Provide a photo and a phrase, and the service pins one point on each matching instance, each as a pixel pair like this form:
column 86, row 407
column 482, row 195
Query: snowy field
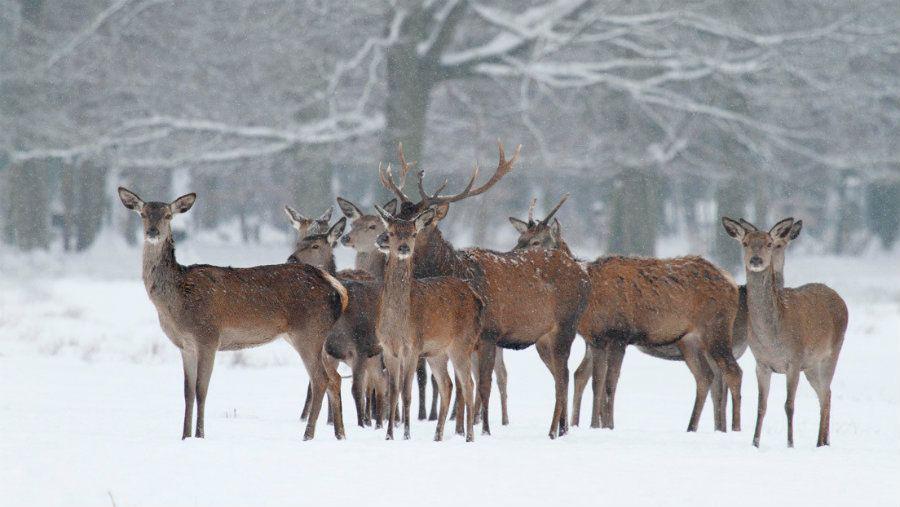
column 92, row 404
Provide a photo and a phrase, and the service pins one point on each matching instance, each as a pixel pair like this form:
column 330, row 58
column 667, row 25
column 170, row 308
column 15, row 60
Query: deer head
column 318, row 249
column 763, row 249
column 399, row 238
column 410, row 208
column 156, row 217
column 308, row 226
column 364, row 228
column 545, row 234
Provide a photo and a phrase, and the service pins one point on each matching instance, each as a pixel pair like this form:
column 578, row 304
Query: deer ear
column 782, row 228
column 130, row 199
column 440, row 211
column 384, row 216
column 521, row 226
column 336, row 230
column 391, row 206
column 183, row 203
column 733, row 228
column 325, row 217
column 349, row 209
column 795, row 230
column 425, row 219
column 747, row 225
column 298, row 221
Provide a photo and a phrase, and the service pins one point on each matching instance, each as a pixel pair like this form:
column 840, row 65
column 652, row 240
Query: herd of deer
column 414, row 299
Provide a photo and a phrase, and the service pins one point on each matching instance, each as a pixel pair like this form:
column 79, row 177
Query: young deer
column 437, row 317
column 364, row 230
column 203, row 309
column 352, row 339
column 682, row 304
column 555, row 285
column 791, row 330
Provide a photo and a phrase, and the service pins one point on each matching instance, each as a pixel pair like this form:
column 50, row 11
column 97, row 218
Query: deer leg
column 319, row 383
column 440, row 375
column 189, row 362
column 432, row 415
column 614, row 368
column 486, row 353
column 763, row 379
column 582, row 374
column 408, row 374
column 693, row 358
column 793, row 378
column 502, row 377
column 359, row 391
column 205, row 360
column 721, row 354
column 305, row 412
column 422, row 377
column 462, row 365
column 476, row 369
column 599, row 367
column 823, row 392
column 336, row 407
column 393, row 369
column 718, row 395
column 545, row 348
column 459, row 407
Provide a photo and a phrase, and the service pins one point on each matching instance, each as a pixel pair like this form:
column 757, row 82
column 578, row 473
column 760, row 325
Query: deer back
column 528, row 293
column 656, row 301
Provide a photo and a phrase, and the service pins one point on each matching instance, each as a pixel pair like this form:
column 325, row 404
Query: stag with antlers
column 530, row 297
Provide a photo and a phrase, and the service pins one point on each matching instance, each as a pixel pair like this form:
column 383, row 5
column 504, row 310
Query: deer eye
column 372, row 227
column 745, row 243
column 315, row 247
column 768, row 245
column 169, row 217
column 535, row 243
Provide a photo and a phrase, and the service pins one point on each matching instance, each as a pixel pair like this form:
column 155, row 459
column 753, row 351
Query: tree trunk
column 28, row 193
column 90, row 203
column 731, row 201
column 635, row 215
column 409, row 85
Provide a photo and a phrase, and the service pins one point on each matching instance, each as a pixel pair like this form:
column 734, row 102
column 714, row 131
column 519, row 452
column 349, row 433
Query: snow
column 92, row 405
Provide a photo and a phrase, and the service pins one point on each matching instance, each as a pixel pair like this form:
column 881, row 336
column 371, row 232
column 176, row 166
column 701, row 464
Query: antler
column 531, row 210
column 503, row 167
column 546, row 220
column 387, row 177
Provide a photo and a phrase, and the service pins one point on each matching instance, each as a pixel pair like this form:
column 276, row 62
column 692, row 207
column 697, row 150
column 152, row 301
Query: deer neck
column 160, row 269
column 371, row 262
column 437, row 257
column 763, row 309
column 394, row 315
column 330, row 266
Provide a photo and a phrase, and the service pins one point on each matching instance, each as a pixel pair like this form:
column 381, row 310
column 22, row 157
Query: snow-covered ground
column 92, row 403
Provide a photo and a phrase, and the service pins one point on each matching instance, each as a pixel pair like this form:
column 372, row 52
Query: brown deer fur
column 203, row 309
column 364, row 230
column 791, row 330
column 438, row 318
column 530, row 298
column 352, row 339
column 671, row 308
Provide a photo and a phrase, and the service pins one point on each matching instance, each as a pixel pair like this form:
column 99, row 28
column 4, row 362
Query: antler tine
column 404, row 166
column 503, row 167
column 546, row 220
column 387, row 180
column 531, row 210
column 441, row 187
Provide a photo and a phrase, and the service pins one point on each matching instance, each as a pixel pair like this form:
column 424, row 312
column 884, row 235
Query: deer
column 670, row 308
column 352, row 339
column 436, row 317
column 791, row 330
column 364, row 230
column 556, row 287
column 203, row 309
